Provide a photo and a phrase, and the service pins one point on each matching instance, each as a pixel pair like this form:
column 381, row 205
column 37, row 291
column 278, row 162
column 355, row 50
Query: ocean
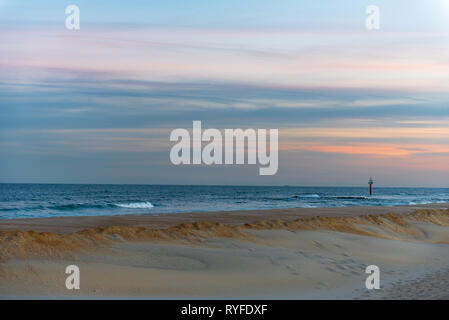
column 53, row 200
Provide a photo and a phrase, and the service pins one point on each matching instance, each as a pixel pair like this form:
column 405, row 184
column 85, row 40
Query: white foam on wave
column 135, row 205
column 412, row 203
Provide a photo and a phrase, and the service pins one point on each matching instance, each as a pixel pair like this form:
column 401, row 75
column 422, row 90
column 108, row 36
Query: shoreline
column 71, row 224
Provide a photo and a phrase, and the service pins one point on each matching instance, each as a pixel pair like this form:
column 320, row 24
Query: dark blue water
column 49, row 200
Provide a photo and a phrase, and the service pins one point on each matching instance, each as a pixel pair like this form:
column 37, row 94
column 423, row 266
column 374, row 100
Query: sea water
column 51, row 200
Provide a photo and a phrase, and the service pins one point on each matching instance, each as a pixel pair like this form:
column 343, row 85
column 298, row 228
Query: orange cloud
column 375, row 149
column 372, row 132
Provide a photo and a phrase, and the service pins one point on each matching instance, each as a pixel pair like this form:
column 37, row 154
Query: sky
column 97, row 105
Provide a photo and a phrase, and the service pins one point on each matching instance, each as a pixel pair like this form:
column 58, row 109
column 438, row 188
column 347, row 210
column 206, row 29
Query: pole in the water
column 370, row 182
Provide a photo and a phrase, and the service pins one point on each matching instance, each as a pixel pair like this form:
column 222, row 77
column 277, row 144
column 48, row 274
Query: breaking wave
column 135, row 205
column 314, row 195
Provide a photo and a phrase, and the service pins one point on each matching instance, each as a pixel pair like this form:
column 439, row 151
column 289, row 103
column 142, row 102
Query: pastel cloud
column 286, row 59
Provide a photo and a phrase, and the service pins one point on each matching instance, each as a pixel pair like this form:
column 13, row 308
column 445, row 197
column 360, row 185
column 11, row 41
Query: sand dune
column 305, row 257
column 24, row 244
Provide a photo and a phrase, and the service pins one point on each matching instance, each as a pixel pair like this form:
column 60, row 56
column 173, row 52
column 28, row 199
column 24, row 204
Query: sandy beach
column 273, row 254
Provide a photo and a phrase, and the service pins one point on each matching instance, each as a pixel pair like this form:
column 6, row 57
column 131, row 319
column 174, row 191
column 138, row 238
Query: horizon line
column 226, row 185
